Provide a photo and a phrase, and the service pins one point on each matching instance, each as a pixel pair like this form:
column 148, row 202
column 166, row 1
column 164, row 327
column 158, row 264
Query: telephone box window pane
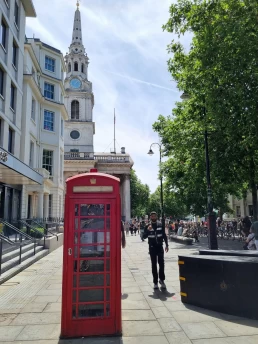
column 92, row 223
column 108, row 279
column 74, row 296
column 91, row 281
column 92, row 265
column 92, row 210
column 108, row 224
column 107, row 251
column 91, row 238
column 108, row 265
column 75, row 252
column 92, row 295
column 74, row 311
column 108, row 209
column 76, row 212
column 108, row 238
column 108, row 295
column 92, row 251
column 75, row 281
column 91, row 311
column 76, row 223
column 108, row 310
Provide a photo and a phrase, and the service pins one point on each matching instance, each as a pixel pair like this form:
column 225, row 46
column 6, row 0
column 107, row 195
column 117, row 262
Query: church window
column 75, row 110
column 76, row 66
column 69, row 67
column 74, row 134
column 82, row 68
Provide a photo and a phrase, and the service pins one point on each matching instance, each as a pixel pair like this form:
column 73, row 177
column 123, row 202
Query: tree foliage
column 220, row 73
column 140, row 194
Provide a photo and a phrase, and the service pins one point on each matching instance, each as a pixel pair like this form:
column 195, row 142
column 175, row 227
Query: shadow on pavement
column 162, row 295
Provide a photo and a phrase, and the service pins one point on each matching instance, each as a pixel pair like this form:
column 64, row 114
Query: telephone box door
column 91, row 291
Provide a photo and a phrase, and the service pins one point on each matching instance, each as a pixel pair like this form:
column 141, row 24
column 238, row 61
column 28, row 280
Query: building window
column 16, row 14
column 50, row 64
column 49, row 118
column 251, row 210
column 3, row 34
column 49, row 91
column 1, row 82
column 1, row 121
column 75, row 110
column 82, row 68
column 12, row 98
column 31, row 162
column 238, row 211
column 74, row 150
column 10, row 140
column 62, row 127
column 48, row 161
column 76, row 66
column 15, row 54
column 69, row 67
column 74, row 134
column 33, row 109
column 7, row 3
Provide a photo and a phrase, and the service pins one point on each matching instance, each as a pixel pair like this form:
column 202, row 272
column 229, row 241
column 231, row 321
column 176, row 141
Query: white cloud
column 128, row 67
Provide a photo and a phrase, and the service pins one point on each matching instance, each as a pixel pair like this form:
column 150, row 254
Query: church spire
column 77, row 27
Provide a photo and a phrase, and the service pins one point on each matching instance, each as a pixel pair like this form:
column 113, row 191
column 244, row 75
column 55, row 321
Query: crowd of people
column 241, row 228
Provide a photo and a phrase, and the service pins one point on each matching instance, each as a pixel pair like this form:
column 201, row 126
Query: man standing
column 155, row 233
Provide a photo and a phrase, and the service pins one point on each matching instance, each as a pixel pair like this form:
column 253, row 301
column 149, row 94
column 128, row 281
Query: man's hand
column 150, row 227
column 166, row 249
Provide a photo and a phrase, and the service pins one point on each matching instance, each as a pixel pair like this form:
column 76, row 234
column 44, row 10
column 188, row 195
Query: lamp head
column 150, row 152
column 185, row 96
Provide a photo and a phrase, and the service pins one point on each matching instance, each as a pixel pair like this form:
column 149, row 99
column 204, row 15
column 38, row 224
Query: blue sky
column 128, row 68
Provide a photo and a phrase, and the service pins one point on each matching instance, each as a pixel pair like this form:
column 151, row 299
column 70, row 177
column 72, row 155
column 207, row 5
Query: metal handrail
column 35, row 230
column 45, row 229
column 8, row 241
column 16, row 229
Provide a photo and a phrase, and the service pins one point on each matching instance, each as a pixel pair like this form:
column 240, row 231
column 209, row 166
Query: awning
column 14, row 172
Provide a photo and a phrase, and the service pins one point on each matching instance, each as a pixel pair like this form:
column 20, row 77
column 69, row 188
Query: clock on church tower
column 79, row 101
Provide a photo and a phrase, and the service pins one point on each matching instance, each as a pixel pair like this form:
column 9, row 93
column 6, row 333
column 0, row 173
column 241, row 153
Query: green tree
column 220, row 72
column 140, row 194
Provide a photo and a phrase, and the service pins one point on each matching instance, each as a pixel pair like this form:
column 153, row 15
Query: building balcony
column 101, row 158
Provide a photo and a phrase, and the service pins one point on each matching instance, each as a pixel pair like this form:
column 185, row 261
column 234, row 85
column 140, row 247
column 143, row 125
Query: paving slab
column 131, row 304
column 6, row 319
column 229, row 340
column 53, row 307
column 169, row 325
column 34, row 307
column 37, row 319
column 161, row 312
column 141, row 328
column 37, row 332
column 202, row 330
column 238, row 328
column 9, row 333
column 137, row 315
column 145, row 340
column 179, row 338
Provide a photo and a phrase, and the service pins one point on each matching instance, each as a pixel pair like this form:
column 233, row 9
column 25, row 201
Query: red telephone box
column 91, row 298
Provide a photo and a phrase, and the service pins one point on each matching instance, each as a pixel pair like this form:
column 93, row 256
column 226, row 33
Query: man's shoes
column 162, row 284
column 156, row 286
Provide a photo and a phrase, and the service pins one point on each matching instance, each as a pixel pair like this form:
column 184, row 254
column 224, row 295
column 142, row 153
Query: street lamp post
column 213, row 242
column 161, row 181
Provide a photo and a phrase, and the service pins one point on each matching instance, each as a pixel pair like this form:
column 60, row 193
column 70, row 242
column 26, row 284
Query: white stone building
column 80, row 128
column 14, row 173
column 44, row 113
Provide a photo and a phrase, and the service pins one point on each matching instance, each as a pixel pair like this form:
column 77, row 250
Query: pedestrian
column 127, row 228
column 131, row 228
column 142, row 227
column 155, row 232
column 254, row 229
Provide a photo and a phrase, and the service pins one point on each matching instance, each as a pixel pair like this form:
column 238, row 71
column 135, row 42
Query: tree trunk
column 253, row 189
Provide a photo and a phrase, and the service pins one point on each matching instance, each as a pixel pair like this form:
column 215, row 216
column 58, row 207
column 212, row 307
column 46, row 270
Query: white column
column 46, row 206
column 40, row 205
column 242, row 207
column 127, row 197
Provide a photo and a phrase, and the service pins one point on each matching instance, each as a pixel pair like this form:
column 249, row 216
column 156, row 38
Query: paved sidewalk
column 30, row 306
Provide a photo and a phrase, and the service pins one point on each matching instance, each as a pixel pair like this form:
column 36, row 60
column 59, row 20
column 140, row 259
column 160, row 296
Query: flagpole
column 115, row 131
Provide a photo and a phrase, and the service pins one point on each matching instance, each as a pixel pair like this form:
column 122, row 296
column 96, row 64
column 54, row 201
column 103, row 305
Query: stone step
column 16, row 252
column 15, row 261
column 24, row 265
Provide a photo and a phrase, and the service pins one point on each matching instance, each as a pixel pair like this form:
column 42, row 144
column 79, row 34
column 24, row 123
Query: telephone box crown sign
column 93, row 181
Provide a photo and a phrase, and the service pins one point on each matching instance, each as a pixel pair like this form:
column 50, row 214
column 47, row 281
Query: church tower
column 79, row 100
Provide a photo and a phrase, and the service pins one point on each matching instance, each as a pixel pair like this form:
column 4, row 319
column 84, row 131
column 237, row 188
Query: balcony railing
column 119, row 158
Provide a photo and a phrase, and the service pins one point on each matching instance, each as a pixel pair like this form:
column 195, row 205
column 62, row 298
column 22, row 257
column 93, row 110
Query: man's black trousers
column 157, row 254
